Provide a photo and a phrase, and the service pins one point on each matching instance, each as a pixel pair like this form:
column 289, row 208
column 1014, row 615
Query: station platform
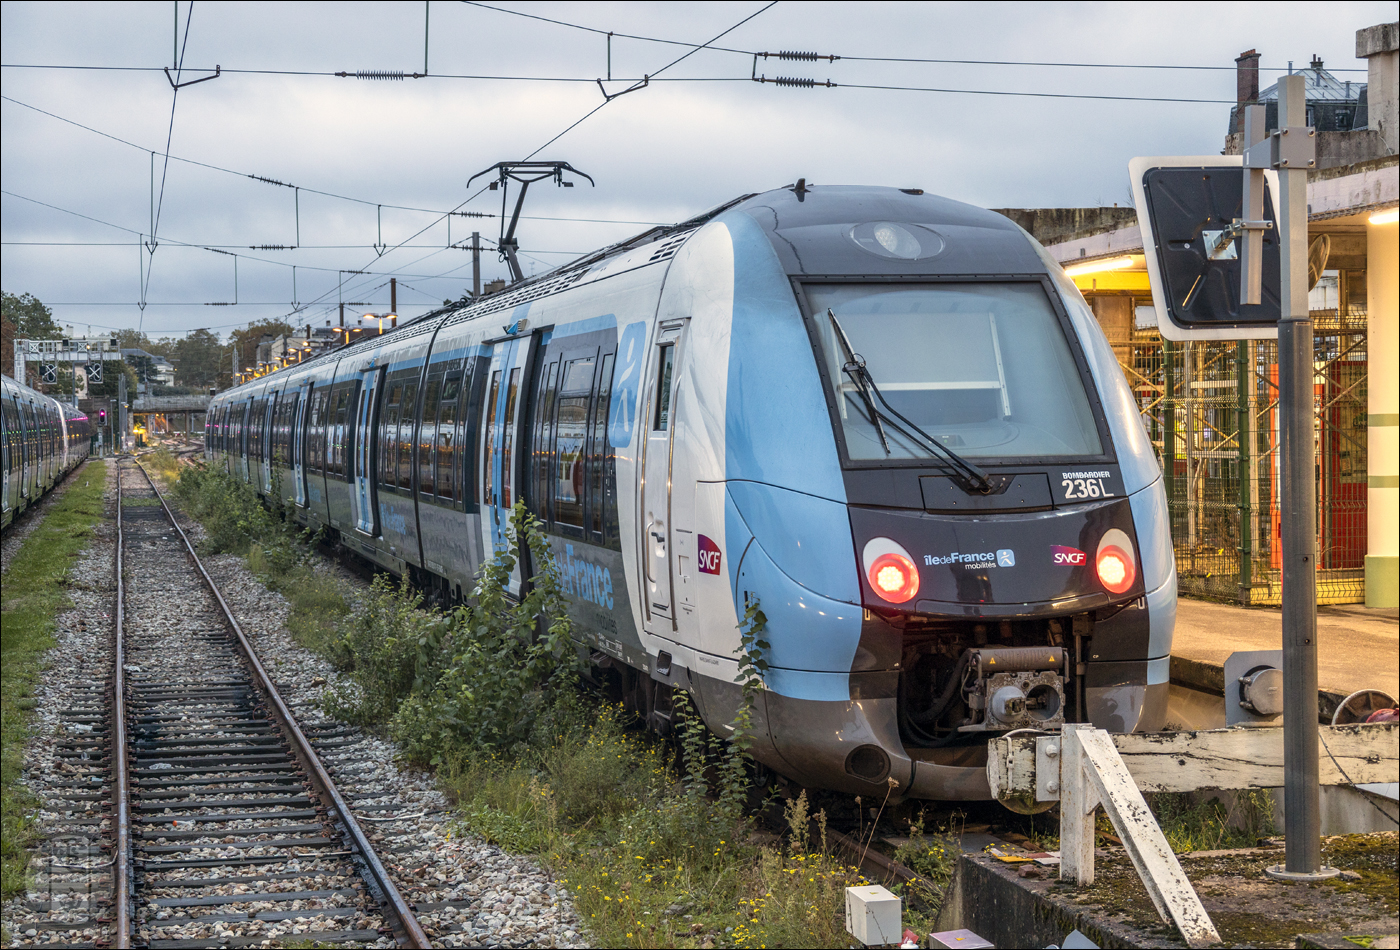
column 1357, row 647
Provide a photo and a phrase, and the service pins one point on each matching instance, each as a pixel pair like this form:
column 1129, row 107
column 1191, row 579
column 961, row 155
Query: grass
column 605, row 808
column 1237, row 821
column 35, row 593
column 644, row 834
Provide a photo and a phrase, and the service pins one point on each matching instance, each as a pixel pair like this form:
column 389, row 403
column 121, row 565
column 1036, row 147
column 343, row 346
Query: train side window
column 388, row 437
column 489, row 427
column 542, row 456
column 323, row 432
column 335, row 430
column 571, row 442
column 279, row 432
column 469, row 417
column 313, row 423
column 600, row 455
column 289, row 428
column 255, row 415
column 407, row 416
column 427, row 437
column 663, row 388
column 344, row 433
column 449, row 400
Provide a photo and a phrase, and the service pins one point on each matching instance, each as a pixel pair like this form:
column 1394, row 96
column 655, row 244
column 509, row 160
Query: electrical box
column 874, row 916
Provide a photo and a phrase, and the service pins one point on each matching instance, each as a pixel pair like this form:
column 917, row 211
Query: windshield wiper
column 972, row 476
column 855, row 368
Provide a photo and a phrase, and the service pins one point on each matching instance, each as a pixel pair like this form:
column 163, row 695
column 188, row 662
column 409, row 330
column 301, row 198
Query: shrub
column 482, row 680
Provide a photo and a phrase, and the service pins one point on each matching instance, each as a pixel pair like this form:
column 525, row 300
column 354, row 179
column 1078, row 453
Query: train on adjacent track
column 42, row 440
column 887, row 417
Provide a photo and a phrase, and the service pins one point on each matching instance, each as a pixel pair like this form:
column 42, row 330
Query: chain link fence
column 1211, row 410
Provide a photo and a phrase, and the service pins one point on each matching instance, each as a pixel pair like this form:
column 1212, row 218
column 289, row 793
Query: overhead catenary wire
column 169, row 138
column 314, row 191
column 209, row 245
column 205, row 247
column 818, row 84
column 494, row 77
column 877, row 59
column 570, row 128
column 691, row 49
column 650, row 76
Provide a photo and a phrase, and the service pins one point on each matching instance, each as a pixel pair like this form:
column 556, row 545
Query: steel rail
column 398, row 912
column 123, row 893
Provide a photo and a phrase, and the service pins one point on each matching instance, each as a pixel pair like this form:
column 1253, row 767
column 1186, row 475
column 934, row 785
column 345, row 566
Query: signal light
column 890, row 571
column 1114, row 562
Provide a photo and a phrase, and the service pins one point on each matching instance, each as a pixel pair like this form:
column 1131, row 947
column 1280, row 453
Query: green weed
column 654, row 840
column 1212, row 825
column 34, row 585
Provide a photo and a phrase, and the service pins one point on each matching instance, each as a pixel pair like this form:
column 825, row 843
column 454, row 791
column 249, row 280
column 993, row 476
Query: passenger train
column 42, row 440
column 886, row 416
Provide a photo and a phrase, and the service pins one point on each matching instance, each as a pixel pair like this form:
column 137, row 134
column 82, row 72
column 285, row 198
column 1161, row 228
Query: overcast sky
column 702, row 134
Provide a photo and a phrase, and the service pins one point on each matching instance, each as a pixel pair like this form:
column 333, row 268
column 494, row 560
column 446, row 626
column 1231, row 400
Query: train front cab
column 910, row 614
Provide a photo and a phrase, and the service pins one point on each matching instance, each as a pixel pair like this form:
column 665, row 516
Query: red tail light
column 1114, row 561
column 890, row 571
column 894, row 578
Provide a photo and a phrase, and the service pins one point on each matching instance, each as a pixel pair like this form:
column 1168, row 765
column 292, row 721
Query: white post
column 1092, row 773
column 1079, row 803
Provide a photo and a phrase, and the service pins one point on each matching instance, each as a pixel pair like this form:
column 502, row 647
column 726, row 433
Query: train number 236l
column 1085, row 488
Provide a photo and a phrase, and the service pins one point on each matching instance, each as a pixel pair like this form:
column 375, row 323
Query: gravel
column 492, row 898
column 70, row 873
column 467, row 893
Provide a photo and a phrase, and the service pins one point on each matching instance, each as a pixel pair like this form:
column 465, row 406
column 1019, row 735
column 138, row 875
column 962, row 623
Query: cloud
column 658, row 154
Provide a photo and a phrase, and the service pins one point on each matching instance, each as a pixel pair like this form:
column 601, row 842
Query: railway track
column 227, row 827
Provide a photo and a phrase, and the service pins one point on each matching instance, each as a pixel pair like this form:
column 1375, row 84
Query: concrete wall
column 1053, row 225
column 1379, row 45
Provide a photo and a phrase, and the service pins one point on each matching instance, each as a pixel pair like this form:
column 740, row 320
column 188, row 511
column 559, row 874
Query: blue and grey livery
column 885, row 416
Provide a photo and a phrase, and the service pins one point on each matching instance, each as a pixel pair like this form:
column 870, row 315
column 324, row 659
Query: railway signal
column 1250, row 281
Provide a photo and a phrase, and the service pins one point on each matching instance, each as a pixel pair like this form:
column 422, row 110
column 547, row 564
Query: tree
column 32, row 320
column 199, row 358
column 134, row 340
column 246, row 339
column 24, row 318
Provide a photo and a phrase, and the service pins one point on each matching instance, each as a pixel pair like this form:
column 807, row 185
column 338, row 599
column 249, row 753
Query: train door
column 502, row 439
column 366, row 410
column 30, row 442
column 656, row 478
column 266, row 442
column 63, row 441
column 7, row 446
column 299, row 435
column 245, row 440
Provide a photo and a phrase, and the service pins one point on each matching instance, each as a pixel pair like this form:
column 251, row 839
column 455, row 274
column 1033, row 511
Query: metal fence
column 1211, row 410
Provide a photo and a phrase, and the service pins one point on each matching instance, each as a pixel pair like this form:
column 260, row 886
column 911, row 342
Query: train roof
column 831, row 230
column 816, row 230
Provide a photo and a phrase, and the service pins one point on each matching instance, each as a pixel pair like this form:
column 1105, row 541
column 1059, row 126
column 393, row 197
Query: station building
column 1211, row 407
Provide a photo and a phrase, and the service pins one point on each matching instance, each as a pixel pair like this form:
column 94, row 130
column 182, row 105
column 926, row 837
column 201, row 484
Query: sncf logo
column 710, row 556
column 1070, row 556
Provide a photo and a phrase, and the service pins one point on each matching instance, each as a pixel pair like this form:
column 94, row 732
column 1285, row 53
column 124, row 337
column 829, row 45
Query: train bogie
column 884, row 418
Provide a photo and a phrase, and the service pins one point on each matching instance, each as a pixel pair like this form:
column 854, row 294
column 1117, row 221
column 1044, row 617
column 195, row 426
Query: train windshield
column 983, row 368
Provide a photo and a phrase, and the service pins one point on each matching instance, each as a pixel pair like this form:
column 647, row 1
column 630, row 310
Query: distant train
column 43, row 440
column 886, row 415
